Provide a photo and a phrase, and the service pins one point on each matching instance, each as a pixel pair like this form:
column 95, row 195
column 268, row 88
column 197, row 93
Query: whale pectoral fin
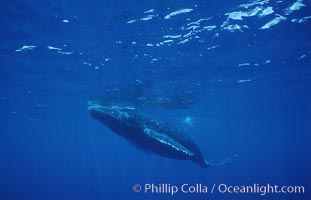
column 166, row 140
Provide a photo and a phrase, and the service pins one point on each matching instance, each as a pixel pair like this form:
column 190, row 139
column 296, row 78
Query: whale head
column 107, row 113
column 116, row 118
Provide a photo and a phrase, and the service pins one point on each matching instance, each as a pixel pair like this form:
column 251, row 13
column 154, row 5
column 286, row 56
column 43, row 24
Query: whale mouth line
column 94, row 107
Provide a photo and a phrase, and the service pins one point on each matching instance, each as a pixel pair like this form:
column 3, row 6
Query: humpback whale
column 151, row 135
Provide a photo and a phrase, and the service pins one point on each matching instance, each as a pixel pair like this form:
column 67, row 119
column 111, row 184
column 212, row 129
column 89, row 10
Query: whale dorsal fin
column 169, row 141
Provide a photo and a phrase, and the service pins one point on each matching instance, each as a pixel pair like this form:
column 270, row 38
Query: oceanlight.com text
column 200, row 188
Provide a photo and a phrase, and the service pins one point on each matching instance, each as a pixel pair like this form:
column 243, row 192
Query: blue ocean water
column 236, row 75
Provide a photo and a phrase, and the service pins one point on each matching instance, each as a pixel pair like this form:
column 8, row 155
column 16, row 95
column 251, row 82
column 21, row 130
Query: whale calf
column 150, row 134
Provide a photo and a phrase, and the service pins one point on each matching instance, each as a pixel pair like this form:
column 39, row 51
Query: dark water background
column 50, row 148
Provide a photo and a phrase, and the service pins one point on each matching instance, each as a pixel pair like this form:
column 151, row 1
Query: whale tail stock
column 221, row 163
